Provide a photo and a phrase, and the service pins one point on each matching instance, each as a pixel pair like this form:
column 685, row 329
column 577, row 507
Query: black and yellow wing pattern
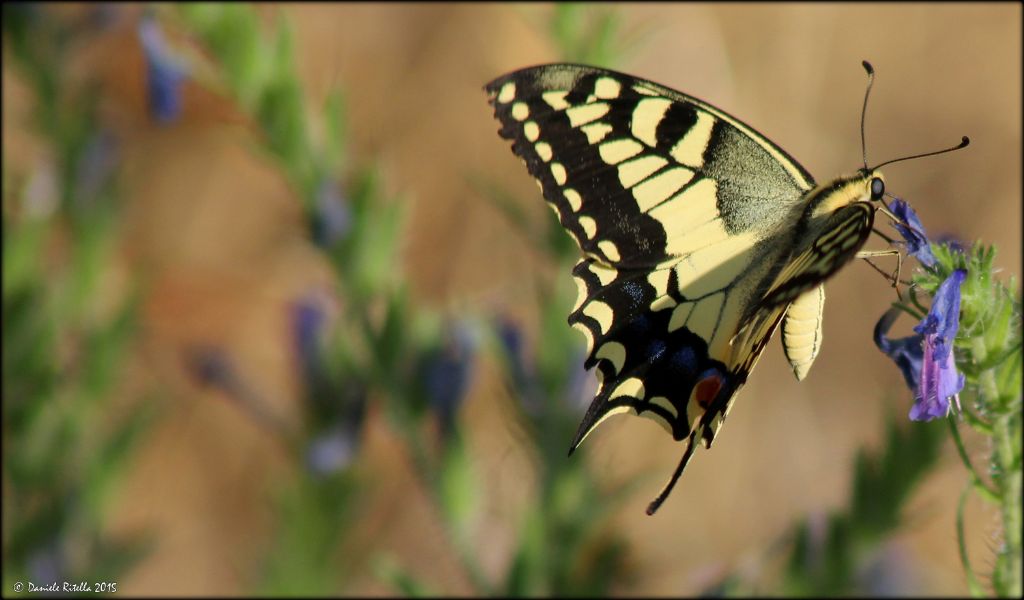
column 697, row 233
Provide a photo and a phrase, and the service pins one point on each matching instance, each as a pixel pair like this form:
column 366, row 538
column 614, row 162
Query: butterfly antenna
column 964, row 142
column 864, row 109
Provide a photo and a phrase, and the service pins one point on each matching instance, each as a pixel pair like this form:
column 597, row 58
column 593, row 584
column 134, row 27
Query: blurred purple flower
column 913, row 233
column 210, row 366
column 336, row 407
column 926, row 359
column 888, row 573
column 333, row 218
column 47, row 564
column 164, row 72
column 447, row 373
column 213, row 366
column 521, row 372
column 308, row 320
column 96, row 166
column 332, row 450
column 582, row 384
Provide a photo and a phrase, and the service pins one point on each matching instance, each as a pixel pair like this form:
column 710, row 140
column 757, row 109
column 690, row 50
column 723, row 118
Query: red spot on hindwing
column 707, row 389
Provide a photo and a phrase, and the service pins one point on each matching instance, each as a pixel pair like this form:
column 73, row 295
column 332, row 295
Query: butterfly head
column 866, row 185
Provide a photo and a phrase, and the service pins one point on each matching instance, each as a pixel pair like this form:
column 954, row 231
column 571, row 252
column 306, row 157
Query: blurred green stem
column 1008, row 564
column 1006, row 475
column 976, row 481
column 973, row 584
column 427, row 474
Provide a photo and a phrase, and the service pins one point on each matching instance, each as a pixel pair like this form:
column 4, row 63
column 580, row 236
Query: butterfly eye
column 877, row 188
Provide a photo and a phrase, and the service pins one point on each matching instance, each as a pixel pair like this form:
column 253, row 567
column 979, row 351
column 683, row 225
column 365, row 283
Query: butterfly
column 699, row 237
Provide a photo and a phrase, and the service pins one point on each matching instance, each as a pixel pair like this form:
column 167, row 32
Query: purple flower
column 335, row 405
column 522, row 371
column 906, row 352
column 333, row 450
column 912, row 231
column 447, row 373
column 939, row 377
column 96, row 166
column 307, row 330
column 333, row 219
column 164, row 73
column 952, row 242
column 926, row 359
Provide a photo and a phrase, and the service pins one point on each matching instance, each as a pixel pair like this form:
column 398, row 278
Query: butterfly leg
column 867, row 255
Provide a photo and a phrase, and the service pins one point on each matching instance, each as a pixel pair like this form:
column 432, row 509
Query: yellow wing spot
column 600, row 312
column 581, row 292
column 659, row 281
column 543, row 151
column 581, row 115
column 666, row 404
column 640, row 89
column 616, row 151
column 638, row 169
column 657, row 189
column 613, row 352
column 520, row 111
column 531, row 130
column 680, row 315
column 618, row 410
column 610, row 250
column 558, row 172
column 589, row 335
column 507, row 93
column 690, row 149
column 556, row 100
column 662, row 303
column 646, row 117
column 574, row 199
column 604, row 274
column 607, row 88
column 589, row 226
column 632, row 387
column 596, row 132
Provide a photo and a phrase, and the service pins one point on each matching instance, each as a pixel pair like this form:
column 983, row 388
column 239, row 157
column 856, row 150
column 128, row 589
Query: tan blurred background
column 219, row 234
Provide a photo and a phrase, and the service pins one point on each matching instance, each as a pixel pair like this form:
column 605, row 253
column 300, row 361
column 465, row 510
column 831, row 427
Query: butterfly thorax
column 826, row 199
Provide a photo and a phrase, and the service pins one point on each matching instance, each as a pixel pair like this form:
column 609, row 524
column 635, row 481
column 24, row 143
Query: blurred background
column 283, row 314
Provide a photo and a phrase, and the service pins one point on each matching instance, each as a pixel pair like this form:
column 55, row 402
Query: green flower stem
column 1005, row 464
column 973, row 584
column 986, row 378
column 1007, row 576
column 976, row 481
column 976, row 422
column 426, row 472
